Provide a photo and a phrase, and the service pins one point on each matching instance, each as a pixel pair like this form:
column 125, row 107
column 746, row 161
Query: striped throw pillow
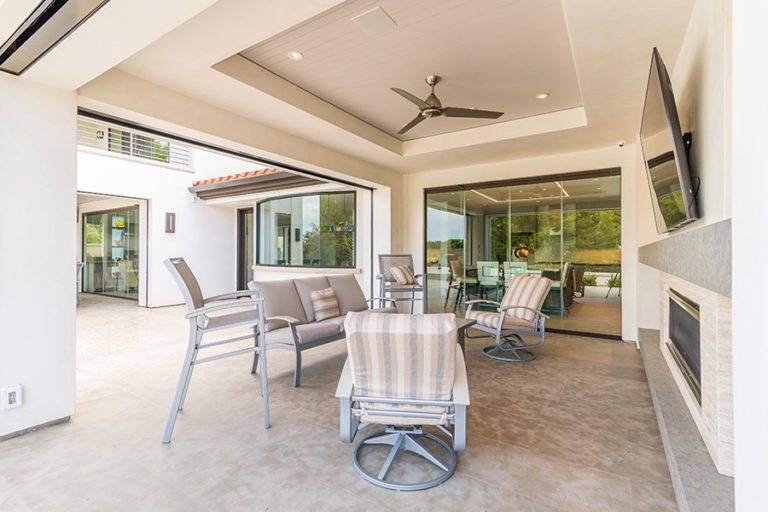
column 403, row 274
column 325, row 304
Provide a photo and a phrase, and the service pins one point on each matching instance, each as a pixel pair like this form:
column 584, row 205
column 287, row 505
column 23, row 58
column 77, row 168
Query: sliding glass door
column 480, row 237
column 111, row 252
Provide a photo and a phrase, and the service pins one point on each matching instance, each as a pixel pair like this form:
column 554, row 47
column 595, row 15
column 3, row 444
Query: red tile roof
column 233, row 177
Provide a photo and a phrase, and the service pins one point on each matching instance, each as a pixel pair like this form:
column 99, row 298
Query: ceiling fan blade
column 416, row 120
column 471, row 112
column 410, row 97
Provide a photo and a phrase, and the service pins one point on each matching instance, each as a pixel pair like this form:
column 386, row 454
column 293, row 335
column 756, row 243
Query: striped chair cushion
column 402, row 356
column 529, row 291
column 325, row 304
column 403, row 274
column 491, row 319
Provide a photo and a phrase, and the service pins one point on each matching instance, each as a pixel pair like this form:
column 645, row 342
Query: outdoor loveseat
column 291, row 321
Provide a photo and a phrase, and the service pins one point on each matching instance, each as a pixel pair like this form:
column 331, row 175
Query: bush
column 590, row 280
column 615, row 282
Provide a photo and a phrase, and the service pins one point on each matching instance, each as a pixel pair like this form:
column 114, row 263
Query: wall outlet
column 10, row 396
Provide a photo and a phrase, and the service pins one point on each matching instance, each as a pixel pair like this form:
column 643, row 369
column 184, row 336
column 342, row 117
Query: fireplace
column 684, row 341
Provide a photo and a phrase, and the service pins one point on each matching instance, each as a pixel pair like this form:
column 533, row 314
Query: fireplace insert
column 685, row 339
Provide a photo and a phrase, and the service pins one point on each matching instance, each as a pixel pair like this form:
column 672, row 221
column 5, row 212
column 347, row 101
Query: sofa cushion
column 348, row 293
column 305, row 287
column 280, row 299
column 318, row 330
column 325, row 304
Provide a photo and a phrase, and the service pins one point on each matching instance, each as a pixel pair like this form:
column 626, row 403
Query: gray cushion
column 318, row 330
column 348, row 293
column 280, row 299
column 305, row 287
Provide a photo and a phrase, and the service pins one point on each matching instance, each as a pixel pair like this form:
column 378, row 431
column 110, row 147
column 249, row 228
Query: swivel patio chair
column 518, row 314
column 201, row 322
column 388, row 284
column 404, row 372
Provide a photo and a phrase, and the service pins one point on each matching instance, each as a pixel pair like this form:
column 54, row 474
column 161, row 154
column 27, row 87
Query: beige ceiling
column 491, row 54
column 610, row 43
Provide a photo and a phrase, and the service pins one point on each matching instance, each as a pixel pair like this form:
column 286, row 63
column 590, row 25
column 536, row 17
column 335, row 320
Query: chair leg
column 261, row 345
column 255, row 365
column 186, row 373
column 189, row 378
column 297, row 372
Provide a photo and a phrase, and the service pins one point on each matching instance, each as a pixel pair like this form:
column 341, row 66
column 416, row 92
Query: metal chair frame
column 406, row 438
column 387, row 284
column 510, row 345
column 199, row 324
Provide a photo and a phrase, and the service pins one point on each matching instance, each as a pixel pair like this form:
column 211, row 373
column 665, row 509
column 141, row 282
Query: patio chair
column 388, row 284
column 201, row 322
column 404, row 372
column 457, row 280
column 488, row 276
column 518, row 314
column 513, row 269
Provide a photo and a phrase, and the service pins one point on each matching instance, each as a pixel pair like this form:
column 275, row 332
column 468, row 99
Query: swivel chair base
column 510, row 352
column 405, row 439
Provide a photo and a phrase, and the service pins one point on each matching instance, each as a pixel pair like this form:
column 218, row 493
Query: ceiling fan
column 431, row 107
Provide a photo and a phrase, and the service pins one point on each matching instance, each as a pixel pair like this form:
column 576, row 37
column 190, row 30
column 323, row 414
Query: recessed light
column 294, row 55
column 542, row 96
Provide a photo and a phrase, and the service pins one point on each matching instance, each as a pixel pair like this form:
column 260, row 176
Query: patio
column 574, row 430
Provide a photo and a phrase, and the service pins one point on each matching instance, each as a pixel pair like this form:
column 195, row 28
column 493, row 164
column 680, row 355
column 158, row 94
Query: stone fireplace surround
column 714, row 416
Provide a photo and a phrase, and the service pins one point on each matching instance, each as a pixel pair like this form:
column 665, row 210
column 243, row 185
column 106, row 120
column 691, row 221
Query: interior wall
column 205, row 235
column 37, row 259
column 700, row 81
column 750, row 246
column 622, row 157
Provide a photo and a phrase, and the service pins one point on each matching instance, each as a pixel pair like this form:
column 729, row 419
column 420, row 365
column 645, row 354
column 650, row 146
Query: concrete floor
column 572, row 431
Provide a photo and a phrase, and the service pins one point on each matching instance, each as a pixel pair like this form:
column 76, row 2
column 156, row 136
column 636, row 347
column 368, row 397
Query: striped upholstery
column 529, row 291
column 402, row 356
column 403, row 274
column 325, row 304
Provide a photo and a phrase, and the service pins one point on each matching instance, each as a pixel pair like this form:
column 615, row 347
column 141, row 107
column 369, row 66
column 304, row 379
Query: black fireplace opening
column 685, row 338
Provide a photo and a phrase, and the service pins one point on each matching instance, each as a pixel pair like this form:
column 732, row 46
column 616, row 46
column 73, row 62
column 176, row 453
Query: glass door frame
column 530, row 180
column 242, row 246
column 84, row 244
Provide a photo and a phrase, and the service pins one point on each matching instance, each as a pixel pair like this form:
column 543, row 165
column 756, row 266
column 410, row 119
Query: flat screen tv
column 664, row 153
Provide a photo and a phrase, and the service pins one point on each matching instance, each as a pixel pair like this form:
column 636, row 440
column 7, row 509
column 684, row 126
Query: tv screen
column 666, row 161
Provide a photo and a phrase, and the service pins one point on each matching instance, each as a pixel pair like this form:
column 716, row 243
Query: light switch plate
column 10, row 396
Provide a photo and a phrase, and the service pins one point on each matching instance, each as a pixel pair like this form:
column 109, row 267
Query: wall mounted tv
column 665, row 153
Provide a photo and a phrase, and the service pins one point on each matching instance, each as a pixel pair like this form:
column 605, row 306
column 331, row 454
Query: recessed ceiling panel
column 491, row 54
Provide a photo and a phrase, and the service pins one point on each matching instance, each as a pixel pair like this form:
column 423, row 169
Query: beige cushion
column 280, row 299
column 403, row 274
column 348, row 293
column 306, row 332
column 402, row 356
column 530, row 291
column 325, row 304
column 305, row 287
column 491, row 319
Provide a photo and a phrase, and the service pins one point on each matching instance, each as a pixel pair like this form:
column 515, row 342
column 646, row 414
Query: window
column 308, row 231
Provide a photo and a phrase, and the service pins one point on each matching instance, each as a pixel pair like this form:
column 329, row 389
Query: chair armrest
column 284, row 318
column 479, row 301
column 232, row 295
column 224, row 305
column 387, row 299
column 460, row 385
column 534, row 311
column 345, row 387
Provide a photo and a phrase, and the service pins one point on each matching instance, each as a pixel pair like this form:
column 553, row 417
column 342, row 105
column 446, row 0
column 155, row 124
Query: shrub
column 590, row 280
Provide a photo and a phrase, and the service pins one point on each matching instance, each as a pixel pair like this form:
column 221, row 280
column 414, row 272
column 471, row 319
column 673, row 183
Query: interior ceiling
column 491, row 54
column 608, row 46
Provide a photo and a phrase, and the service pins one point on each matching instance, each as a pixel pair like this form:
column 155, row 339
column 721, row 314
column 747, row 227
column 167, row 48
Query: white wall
column 624, row 158
column 700, row 80
column 750, row 247
column 37, row 251
column 205, row 235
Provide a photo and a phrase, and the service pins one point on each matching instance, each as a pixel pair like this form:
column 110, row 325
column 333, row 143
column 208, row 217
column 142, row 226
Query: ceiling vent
column 375, row 22
column 49, row 24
